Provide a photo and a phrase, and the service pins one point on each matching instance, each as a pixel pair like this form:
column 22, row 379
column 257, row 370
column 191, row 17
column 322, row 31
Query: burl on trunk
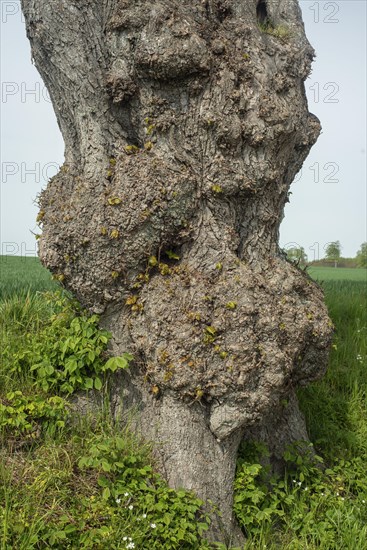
column 184, row 126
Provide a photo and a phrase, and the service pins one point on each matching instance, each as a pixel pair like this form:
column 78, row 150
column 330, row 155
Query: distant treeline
column 342, row 262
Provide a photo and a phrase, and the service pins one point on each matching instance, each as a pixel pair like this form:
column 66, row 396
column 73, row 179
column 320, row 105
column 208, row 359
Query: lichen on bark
column 184, row 126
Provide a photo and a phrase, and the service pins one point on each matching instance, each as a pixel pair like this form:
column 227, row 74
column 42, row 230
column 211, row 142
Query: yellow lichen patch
column 131, row 300
column 114, row 201
column 132, row 149
column 217, row 188
column 164, row 269
column 103, row 230
column 148, row 146
column 59, row 277
column 194, row 316
column 231, row 305
column 168, row 375
column 210, row 335
column 115, row 274
column 114, row 234
column 150, row 129
column 199, row 393
column 163, row 357
column 135, row 305
column 141, row 279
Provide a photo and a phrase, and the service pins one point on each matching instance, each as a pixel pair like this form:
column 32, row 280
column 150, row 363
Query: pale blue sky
column 328, row 200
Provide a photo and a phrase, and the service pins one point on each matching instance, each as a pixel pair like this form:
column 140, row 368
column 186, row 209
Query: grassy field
column 338, row 274
column 20, row 274
column 88, row 484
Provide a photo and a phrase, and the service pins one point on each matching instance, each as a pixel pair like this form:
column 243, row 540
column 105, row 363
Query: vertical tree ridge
column 184, row 125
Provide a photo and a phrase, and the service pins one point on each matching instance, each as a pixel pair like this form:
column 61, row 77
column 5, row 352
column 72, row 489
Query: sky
column 328, row 200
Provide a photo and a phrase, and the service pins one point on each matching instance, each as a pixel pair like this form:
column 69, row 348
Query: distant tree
column 362, row 255
column 297, row 254
column 333, row 252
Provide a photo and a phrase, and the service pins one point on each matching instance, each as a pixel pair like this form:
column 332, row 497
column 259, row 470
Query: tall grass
column 19, row 275
column 20, row 315
column 336, row 406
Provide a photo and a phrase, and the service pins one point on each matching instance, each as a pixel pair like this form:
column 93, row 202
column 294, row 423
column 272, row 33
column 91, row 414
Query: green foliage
column 97, row 492
column 319, row 503
column 362, row 256
column 333, row 251
column 82, row 486
column 23, row 417
column 131, row 485
column 310, row 503
column 69, row 352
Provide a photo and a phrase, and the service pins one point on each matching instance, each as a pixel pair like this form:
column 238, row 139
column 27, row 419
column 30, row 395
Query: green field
column 88, row 484
column 19, row 274
column 338, row 274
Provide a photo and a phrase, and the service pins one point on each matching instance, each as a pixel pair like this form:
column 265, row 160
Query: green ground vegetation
column 18, row 275
column 338, row 273
column 69, row 482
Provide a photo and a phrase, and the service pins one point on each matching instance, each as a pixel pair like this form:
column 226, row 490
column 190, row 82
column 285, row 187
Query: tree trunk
column 184, row 126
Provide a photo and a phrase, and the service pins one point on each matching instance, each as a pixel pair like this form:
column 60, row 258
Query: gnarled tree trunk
column 184, row 126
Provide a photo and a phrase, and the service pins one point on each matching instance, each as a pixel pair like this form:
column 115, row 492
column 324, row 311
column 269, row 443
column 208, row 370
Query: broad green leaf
column 98, row 383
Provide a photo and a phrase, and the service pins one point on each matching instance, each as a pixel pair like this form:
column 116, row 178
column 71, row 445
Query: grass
column 18, row 275
column 341, row 397
column 64, row 486
column 338, row 274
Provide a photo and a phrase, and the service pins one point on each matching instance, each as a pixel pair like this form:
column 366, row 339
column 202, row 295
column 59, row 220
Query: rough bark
column 184, row 126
